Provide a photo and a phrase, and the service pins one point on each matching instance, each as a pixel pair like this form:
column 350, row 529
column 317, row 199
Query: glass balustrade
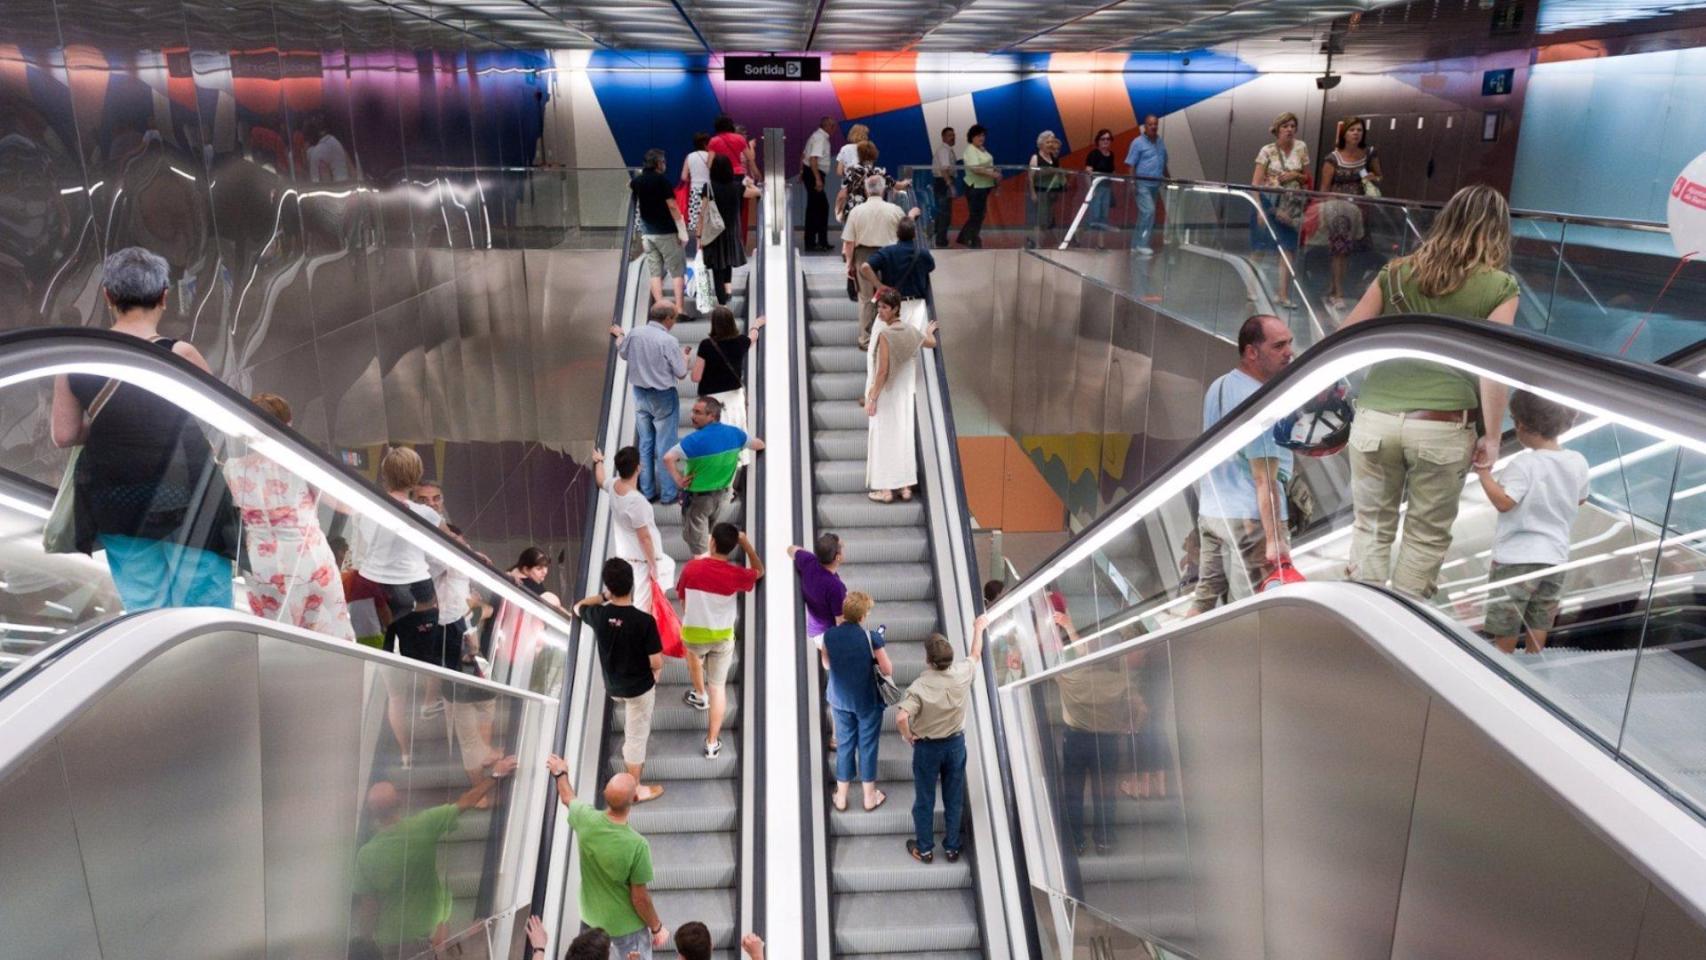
column 1599, row 618
column 194, row 499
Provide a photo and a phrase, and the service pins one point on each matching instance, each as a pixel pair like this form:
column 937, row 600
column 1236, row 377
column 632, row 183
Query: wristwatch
column 560, row 773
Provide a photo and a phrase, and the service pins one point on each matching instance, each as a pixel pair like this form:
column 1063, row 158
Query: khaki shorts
column 664, row 256
column 717, row 658
column 1531, row 603
column 636, row 724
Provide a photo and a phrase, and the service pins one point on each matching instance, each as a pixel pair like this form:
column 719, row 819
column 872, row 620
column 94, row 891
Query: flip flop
column 656, row 793
column 839, row 807
column 906, row 495
column 882, row 798
column 880, row 496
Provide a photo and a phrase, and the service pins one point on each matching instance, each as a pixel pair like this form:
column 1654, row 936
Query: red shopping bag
column 683, row 191
column 669, row 625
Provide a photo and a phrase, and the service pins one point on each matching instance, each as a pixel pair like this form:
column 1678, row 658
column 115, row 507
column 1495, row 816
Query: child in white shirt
column 1537, row 497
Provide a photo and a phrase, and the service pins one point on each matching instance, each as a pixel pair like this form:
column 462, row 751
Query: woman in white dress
column 633, row 527
column 891, row 381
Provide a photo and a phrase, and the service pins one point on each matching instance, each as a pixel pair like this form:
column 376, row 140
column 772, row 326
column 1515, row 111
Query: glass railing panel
column 1623, row 291
column 176, row 500
column 1550, row 566
column 1660, row 729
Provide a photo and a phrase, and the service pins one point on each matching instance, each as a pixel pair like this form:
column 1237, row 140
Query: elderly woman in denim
column 848, row 652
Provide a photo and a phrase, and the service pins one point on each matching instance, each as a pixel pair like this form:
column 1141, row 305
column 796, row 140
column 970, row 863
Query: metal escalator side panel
column 1344, row 787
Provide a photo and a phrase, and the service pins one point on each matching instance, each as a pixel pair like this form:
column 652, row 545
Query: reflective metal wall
column 346, row 197
column 1269, row 784
column 287, row 828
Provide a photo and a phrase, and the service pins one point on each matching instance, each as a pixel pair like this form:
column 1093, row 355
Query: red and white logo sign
column 1686, row 211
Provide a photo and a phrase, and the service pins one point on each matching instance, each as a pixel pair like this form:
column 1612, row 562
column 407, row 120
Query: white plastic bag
column 699, row 282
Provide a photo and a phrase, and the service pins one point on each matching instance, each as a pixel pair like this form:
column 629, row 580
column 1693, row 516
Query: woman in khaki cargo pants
column 1414, row 437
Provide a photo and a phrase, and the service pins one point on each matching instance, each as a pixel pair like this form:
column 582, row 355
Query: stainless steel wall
column 344, row 198
column 1271, row 785
column 268, row 837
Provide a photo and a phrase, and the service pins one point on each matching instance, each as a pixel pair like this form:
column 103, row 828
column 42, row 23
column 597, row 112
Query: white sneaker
column 712, row 749
column 1143, row 251
column 696, row 700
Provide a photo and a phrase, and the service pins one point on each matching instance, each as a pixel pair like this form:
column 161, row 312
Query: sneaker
column 696, row 700
column 432, row 709
column 1143, row 251
column 922, row 856
column 712, row 749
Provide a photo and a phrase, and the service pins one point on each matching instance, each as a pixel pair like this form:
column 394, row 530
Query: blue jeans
column 934, row 760
column 640, row 942
column 856, row 734
column 657, row 418
column 151, row 574
column 1145, row 214
column 1100, row 199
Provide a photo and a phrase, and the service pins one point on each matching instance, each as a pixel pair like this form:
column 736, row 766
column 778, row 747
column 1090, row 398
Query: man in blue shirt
column 656, row 360
column 1241, row 503
column 905, row 266
column 1147, row 157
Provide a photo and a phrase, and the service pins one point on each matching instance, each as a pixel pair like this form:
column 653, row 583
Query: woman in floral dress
column 292, row 575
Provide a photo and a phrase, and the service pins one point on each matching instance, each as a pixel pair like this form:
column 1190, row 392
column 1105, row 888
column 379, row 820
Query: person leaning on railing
column 1414, row 437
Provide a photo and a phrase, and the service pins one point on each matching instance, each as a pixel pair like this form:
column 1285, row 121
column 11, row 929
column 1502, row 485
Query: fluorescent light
column 186, row 176
column 68, row 191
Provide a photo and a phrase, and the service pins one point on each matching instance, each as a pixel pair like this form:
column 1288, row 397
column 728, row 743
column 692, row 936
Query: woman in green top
column 1047, row 182
column 980, row 179
column 1414, row 434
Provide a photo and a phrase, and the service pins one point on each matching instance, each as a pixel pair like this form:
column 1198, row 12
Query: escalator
column 695, row 828
column 280, row 775
column 1326, row 756
column 905, row 555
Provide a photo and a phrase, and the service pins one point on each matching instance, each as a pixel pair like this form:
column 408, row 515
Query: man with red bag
column 631, row 655
column 711, row 586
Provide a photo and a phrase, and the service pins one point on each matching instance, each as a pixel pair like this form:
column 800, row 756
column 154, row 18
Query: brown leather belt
column 1441, row 416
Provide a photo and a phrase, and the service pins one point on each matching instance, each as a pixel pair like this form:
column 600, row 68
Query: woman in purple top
column 820, row 585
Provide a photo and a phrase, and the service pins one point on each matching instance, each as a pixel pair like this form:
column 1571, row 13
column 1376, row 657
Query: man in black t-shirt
column 631, row 654
column 663, row 231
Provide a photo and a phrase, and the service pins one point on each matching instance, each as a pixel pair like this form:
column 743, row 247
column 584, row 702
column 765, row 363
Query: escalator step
column 879, row 864
column 879, row 922
column 671, row 714
column 836, row 510
column 687, row 861
column 679, row 755
column 902, row 544
column 888, row 582
column 893, row 818
column 716, row 909
column 837, row 386
column 690, row 806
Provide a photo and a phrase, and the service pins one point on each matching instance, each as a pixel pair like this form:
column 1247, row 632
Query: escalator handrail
column 24, row 352
column 559, row 736
column 1672, row 404
column 754, row 764
column 975, row 591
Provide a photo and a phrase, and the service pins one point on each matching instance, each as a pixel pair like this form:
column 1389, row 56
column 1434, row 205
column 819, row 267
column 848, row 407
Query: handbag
column 711, row 225
column 59, row 531
column 886, row 687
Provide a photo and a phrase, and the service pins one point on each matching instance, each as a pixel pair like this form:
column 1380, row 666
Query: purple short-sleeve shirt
column 823, row 591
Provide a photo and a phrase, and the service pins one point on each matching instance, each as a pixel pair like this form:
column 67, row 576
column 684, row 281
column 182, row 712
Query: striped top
column 711, row 455
column 710, row 586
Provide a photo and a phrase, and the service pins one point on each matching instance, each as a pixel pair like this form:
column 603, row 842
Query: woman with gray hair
column 147, row 488
column 1047, row 183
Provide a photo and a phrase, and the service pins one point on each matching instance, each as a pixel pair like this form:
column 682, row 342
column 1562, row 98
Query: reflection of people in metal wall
column 1101, row 710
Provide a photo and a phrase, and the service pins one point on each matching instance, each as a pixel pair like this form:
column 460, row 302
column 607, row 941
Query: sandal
column 905, row 494
column 642, row 797
column 841, row 806
column 882, row 798
column 881, row 496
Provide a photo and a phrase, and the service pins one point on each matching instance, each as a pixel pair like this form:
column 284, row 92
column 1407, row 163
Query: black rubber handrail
column 560, row 736
column 761, row 532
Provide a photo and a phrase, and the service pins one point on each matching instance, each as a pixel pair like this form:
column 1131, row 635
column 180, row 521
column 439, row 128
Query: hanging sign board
column 786, row 69
column 1686, row 210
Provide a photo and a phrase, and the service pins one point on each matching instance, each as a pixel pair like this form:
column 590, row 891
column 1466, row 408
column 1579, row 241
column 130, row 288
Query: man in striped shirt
column 710, row 587
column 704, row 464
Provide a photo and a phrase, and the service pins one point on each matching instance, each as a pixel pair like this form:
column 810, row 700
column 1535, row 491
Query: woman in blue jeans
column 848, row 652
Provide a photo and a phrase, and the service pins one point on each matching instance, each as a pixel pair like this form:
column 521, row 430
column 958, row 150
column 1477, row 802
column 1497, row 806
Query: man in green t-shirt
column 616, row 865
column 406, row 900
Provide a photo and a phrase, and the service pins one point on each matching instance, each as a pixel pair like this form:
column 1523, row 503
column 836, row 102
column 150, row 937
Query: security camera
column 1327, row 82
column 1184, row 61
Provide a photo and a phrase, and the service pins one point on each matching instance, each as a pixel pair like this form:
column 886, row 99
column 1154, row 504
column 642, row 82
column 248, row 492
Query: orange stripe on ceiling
column 1090, row 93
column 871, row 83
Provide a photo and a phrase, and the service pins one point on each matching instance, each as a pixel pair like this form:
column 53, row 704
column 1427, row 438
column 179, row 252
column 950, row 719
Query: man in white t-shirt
column 814, row 168
column 1537, row 495
column 634, row 533
column 1241, row 508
